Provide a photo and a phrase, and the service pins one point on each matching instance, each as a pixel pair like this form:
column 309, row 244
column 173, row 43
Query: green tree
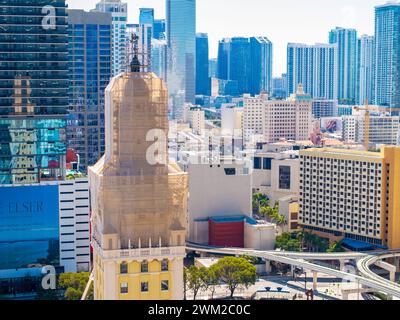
column 251, row 259
column 74, row 284
column 288, row 242
column 335, row 247
column 211, row 280
column 195, row 279
column 236, row 272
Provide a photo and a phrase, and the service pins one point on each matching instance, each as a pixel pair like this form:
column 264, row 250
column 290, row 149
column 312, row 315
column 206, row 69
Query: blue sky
column 282, row 21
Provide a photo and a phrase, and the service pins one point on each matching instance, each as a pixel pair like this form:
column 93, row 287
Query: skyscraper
column 346, row 40
column 203, row 81
column 90, row 38
column 139, row 200
column 247, row 61
column 366, row 70
column 33, row 90
column 119, row 11
column 181, row 38
column 146, row 16
column 313, row 66
column 261, row 68
column 387, row 55
column 159, row 58
column 159, row 29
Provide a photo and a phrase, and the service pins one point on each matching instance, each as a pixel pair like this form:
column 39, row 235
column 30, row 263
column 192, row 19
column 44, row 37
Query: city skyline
column 357, row 14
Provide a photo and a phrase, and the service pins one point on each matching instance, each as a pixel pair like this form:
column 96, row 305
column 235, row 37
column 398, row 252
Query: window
column 230, row 171
column 124, row 288
column 144, row 287
column 257, row 163
column 164, row 285
column 123, row 268
column 267, row 163
column 284, row 177
column 144, row 267
column 164, row 265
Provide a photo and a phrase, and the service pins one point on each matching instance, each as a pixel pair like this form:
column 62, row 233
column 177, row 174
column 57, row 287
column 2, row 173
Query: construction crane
column 367, row 118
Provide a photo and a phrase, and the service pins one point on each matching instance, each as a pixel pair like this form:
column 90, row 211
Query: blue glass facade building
column 203, row 81
column 33, row 90
column 89, row 63
column 146, row 16
column 346, row 40
column 248, row 61
column 387, row 55
column 181, row 40
column 159, row 29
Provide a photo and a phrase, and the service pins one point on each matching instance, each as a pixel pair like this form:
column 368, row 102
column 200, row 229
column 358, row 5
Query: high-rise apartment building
column 119, row 12
column 33, row 90
column 181, row 39
column 348, row 194
column 248, row 61
column 139, row 200
column 203, row 80
column 346, row 40
column 387, row 55
column 315, row 67
column 146, row 16
column 89, row 47
column 366, row 70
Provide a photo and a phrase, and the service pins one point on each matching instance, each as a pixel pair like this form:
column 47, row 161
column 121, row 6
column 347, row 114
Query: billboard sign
column 29, row 226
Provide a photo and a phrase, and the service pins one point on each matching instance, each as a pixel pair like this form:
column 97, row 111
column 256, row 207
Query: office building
column 366, row 70
column 315, row 67
column 119, row 12
column 139, row 200
column 33, row 92
column 248, row 61
column 89, row 48
column 279, row 87
column 213, row 65
column 181, row 39
column 159, row 58
column 197, row 120
column 322, row 108
column 348, row 194
column 346, row 40
column 387, row 55
column 146, row 16
column 159, row 29
column 382, row 129
column 203, row 80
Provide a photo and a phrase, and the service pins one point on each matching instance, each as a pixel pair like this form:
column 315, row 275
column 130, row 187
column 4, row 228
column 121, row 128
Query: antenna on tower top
column 135, row 63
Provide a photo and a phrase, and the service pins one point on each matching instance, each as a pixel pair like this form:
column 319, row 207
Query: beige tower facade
column 139, row 200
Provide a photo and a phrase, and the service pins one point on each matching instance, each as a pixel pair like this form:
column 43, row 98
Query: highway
column 367, row 278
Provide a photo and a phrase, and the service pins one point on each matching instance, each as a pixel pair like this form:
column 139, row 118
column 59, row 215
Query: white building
column 197, row 120
column 231, row 120
column 382, row 129
column 119, row 12
column 276, row 173
column 217, row 190
column 278, row 119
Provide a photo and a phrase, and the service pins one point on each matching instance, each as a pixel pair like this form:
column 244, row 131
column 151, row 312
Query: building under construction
column 139, row 200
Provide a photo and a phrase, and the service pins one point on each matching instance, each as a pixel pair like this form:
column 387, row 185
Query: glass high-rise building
column 181, row 38
column 261, row 65
column 314, row 67
column 159, row 29
column 387, row 55
column 203, row 81
column 89, row 46
column 119, row 12
column 146, row 16
column 366, row 70
column 346, row 40
column 247, row 61
column 33, row 90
